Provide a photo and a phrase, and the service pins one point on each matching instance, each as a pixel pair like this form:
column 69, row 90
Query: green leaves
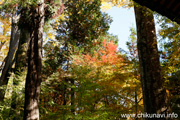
column 84, row 22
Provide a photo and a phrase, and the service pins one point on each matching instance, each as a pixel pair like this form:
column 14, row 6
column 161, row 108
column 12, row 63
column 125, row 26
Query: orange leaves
column 104, row 63
column 106, row 77
column 106, row 55
column 167, row 92
column 109, row 54
column 110, row 46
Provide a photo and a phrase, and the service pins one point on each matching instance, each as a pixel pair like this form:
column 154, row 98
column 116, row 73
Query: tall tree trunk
column 136, row 103
column 72, row 97
column 33, row 80
column 21, row 54
column 20, row 63
column 9, row 60
column 154, row 95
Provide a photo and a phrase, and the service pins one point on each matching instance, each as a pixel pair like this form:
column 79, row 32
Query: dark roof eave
column 162, row 9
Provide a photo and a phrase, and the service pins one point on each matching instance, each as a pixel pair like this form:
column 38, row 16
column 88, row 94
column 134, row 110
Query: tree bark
column 154, row 95
column 9, row 60
column 20, row 63
column 72, row 97
column 33, row 80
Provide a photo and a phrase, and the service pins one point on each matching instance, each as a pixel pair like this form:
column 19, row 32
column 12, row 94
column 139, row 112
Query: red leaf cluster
column 105, row 55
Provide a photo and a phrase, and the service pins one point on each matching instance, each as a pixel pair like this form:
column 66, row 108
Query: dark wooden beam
column 168, row 8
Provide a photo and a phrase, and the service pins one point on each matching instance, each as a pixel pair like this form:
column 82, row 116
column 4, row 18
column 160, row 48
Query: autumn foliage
column 107, row 55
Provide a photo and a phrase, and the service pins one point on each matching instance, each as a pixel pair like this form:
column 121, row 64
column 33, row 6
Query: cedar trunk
column 33, row 80
column 9, row 59
column 20, row 63
column 154, row 95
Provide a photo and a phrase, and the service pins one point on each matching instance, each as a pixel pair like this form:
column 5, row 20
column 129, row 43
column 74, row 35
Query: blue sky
column 123, row 19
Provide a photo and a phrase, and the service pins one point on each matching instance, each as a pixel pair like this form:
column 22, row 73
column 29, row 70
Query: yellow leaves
column 1, row 58
column 4, row 51
column 51, row 36
column 61, row 17
column 161, row 33
column 140, row 96
column 1, row 2
column 2, row 26
column 5, row 26
column 107, row 4
column 50, row 33
column 2, row 38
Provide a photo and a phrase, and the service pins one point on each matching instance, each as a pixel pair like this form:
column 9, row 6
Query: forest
column 59, row 62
